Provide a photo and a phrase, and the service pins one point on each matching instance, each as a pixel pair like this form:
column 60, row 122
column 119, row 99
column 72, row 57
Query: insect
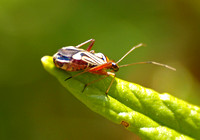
column 73, row 58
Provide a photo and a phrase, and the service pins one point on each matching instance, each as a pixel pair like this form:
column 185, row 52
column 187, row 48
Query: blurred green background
column 34, row 106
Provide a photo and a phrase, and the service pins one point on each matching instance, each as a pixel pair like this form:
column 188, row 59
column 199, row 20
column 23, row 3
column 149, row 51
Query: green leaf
column 141, row 110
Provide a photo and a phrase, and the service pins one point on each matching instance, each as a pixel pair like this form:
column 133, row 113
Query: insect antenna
column 139, row 45
column 150, row 62
column 147, row 62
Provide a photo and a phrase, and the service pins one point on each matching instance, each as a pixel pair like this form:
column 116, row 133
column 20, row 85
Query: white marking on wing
column 100, row 55
column 77, row 56
column 71, row 47
column 89, row 60
column 96, row 59
column 63, row 61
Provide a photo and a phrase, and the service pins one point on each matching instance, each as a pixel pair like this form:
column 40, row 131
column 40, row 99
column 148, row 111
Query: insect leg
column 113, row 74
column 91, row 44
column 97, row 69
column 94, row 82
column 106, row 75
column 76, row 75
column 89, row 47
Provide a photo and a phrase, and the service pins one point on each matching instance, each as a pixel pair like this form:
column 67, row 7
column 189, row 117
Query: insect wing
column 64, row 55
column 90, row 58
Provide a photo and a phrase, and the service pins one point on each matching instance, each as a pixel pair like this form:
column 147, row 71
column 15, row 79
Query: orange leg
column 110, row 73
column 106, row 75
column 97, row 70
column 76, row 75
column 89, row 47
column 94, row 70
column 94, row 82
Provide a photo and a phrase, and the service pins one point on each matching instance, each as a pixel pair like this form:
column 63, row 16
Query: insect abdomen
column 73, row 65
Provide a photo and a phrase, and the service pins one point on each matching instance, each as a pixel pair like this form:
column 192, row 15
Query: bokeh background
column 34, row 106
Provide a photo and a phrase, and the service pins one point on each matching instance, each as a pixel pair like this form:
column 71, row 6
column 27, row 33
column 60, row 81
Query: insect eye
column 115, row 67
column 113, row 64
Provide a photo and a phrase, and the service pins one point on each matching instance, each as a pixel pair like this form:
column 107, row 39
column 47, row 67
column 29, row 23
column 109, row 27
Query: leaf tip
column 45, row 59
column 47, row 62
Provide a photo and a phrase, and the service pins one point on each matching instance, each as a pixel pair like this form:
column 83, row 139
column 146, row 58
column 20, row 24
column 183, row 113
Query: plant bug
column 73, row 58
